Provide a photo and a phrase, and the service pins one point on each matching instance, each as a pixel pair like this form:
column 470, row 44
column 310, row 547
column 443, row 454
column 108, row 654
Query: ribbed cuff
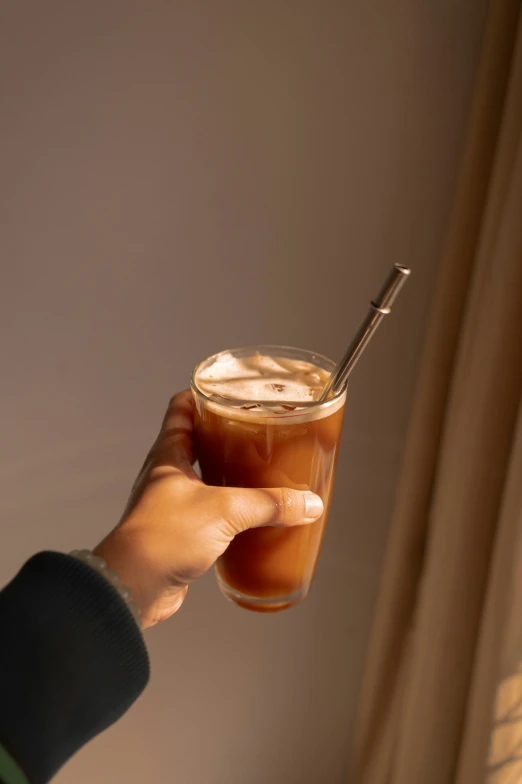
column 72, row 661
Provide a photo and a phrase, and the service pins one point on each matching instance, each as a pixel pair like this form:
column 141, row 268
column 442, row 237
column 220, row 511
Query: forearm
column 72, row 660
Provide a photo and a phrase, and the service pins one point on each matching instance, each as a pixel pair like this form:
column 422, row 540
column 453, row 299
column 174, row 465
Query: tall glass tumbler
column 248, row 444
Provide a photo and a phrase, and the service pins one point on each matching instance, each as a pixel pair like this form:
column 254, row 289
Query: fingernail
column 313, row 507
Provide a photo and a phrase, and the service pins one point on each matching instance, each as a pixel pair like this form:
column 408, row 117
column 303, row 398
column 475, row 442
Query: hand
column 175, row 527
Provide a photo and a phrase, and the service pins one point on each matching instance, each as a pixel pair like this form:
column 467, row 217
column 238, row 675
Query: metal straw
column 379, row 307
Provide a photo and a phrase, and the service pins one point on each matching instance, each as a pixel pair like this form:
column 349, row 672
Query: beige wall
column 179, row 177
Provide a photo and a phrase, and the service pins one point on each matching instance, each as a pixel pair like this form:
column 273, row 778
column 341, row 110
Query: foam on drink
column 263, row 385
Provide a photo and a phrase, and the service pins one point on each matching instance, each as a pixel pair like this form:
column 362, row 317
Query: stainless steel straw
column 379, row 307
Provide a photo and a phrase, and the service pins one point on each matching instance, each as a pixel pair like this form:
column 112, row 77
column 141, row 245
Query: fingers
column 174, row 444
column 179, row 417
column 245, row 508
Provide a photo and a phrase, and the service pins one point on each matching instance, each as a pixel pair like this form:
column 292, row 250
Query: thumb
column 247, row 508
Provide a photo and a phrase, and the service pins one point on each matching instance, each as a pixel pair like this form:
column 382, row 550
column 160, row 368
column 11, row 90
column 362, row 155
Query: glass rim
column 302, row 407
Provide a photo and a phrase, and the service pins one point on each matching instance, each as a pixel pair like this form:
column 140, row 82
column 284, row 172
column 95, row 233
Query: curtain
column 442, row 696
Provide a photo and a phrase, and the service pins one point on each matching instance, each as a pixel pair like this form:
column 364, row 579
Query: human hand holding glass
column 175, row 527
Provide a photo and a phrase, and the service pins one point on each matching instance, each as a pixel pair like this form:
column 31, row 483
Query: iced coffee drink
column 258, row 423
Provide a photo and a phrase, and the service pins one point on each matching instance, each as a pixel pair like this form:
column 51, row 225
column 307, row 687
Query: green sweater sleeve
column 10, row 770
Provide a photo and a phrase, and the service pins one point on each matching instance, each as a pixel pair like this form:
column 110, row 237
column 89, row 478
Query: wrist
column 129, row 551
column 99, row 564
column 122, row 555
